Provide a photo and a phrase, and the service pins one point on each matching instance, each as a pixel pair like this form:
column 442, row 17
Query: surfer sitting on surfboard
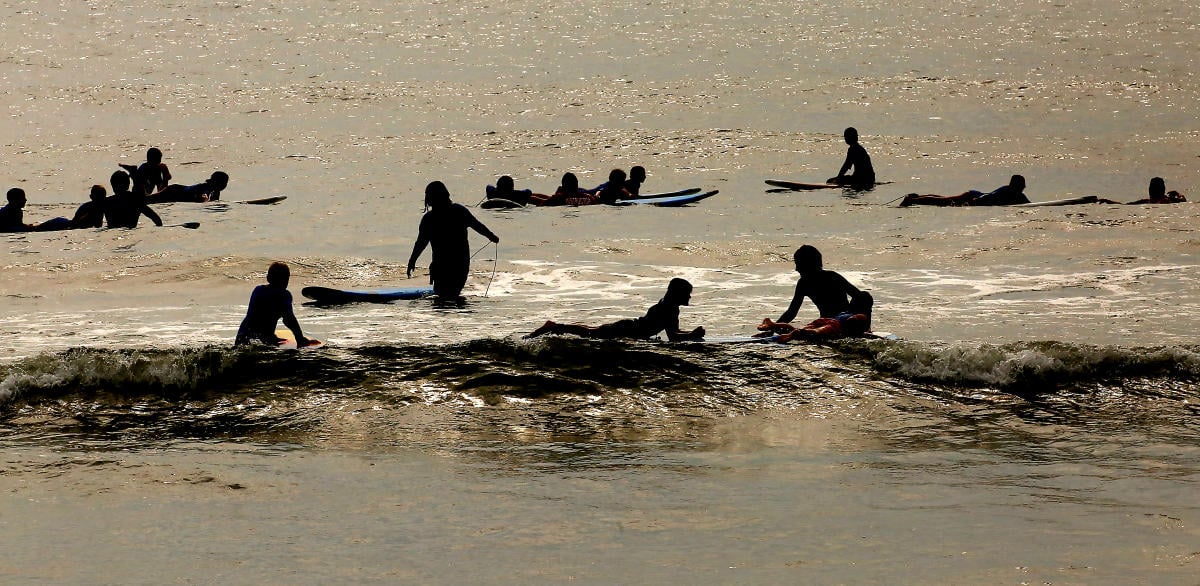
column 856, row 320
column 91, row 213
column 506, row 190
column 858, row 159
column 662, row 316
column 1011, row 194
column 268, row 304
column 210, row 190
column 151, row 176
column 829, row 291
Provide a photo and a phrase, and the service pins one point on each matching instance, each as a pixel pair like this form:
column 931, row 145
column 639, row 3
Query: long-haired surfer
column 661, row 317
column 444, row 228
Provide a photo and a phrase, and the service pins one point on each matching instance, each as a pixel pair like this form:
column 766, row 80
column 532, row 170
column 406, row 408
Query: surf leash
column 495, row 261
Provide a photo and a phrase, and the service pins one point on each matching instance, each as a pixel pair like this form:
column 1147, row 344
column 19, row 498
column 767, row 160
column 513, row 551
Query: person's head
column 436, row 194
column 97, row 194
column 616, row 177
column 16, row 197
column 807, row 258
column 119, row 181
column 637, row 174
column 219, row 180
column 153, row 155
column 851, row 135
column 1158, row 188
column 1017, row 182
column 570, row 182
column 679, row 291
column 505, row 184
column 862, row 302
column 278, row 274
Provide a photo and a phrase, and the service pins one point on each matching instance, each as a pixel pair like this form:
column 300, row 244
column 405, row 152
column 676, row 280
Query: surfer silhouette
column 614, row 190
column 444, row 228
column 858, row 159
column 268, row 304
column 505, row 189
column 12, row 216
column 637, row 176
column 1006, row 195
column 829, row 291
column 662, row 316
column 1159, row 194
column 91, row 213
column 209, row 190
column 151, row 176
column 123, row 208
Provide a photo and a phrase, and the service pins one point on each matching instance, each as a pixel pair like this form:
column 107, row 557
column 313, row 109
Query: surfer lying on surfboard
column 209, row 190
column 1011, row 194
column 268, row 304
column 1158, row 194
column 830, row 292
column 662, row 316
column 855, row 321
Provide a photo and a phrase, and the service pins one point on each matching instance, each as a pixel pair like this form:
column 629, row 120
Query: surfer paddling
column 1159, row 194
column 661, row 317
column 1011, row 194
column 268, row 304
column 444, row 228
column 857, row 159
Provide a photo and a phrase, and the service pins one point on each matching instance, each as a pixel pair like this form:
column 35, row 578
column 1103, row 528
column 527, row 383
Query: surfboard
column 1070, row 201
column 289, row 341
column 498, row 203
column 328, row 296
column 266, row 201
column 739, row 339
column 688, row 191
column 795, row 186
column 678, row 200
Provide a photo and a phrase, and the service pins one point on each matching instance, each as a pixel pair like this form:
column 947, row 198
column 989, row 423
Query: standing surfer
column 444, row 228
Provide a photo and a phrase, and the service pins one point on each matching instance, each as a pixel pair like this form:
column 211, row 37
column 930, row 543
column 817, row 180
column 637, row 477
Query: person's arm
column 847, row 288
column 149, row 213
column 478, row 226
column 846, row 165
column 289, row 320
column 418, row 248
column 797, row 300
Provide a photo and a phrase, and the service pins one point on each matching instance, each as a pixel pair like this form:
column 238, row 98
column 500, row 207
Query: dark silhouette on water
column 857, row 158
column 1011, row 194
column 12, row 216
column 568, row 193
column 152, row 176
column 662, row 316
column 123, row 208
column 209, row 190
column 1159, row 194
column 829, row 291
column 268, row 304
column 444, row 228
column 506, row 189
column 614, row 190
column 91, row 213
column 637, row 176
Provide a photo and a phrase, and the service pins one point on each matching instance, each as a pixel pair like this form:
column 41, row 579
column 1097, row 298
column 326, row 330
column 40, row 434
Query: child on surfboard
column 662, row 316
column 830, row 292
column 855, row 321
column 1005, row 195
column 209, row 190
column 268, row 304
column 151, row 176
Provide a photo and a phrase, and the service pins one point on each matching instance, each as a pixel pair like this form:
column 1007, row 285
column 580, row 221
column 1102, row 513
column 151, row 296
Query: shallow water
column 1036, row 421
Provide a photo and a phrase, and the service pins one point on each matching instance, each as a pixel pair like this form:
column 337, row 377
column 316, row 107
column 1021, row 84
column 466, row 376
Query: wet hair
column 219, row 178
column 278, row 273
column 1017, row 180
column 807, row 258
column 616, row 177
column 436, row 194
column 505, row 184
column 119, row 181
column 15, row 192
column 678, row 286
column 637, row 173
column 1158, row 188
column 98, row 191
column 570, row 181
column 153, row 155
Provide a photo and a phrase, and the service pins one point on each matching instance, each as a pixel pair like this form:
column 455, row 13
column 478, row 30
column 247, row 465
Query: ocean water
column 1035, row 422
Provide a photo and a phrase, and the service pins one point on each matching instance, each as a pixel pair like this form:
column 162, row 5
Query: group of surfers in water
column 620, row 186
column 133, row 189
